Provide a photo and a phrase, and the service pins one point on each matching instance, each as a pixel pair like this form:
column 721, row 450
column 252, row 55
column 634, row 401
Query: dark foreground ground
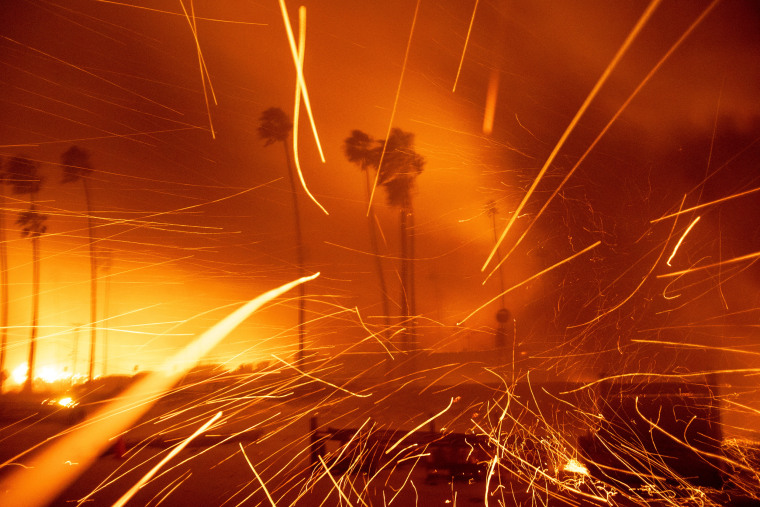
column 276, row 440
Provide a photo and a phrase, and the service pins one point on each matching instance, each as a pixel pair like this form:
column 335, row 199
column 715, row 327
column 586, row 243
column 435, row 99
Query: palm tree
column 23, row 175
column 275, row 126
column 3, row 281
column 360, row 149
column 399, row 169
column 77, row 167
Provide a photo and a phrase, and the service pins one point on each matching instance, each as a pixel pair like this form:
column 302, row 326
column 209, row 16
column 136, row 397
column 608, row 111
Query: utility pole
column 77, row 328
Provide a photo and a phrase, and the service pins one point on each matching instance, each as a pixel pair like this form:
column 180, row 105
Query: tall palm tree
column 24, row 177
column 77, row 167
column 399, row 169
column 360, row 149
column 3, row 281
column 275, row 126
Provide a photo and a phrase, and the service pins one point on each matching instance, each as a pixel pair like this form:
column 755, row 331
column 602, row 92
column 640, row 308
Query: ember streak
column 537, row 283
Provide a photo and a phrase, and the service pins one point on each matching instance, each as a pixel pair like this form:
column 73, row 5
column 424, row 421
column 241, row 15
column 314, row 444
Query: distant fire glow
column 538, row 282
column 48, row 374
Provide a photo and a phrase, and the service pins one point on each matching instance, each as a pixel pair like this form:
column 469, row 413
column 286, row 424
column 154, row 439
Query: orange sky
column 124, row 83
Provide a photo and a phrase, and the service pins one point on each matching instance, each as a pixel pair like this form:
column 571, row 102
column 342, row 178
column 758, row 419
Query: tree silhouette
column 275, row 126
column 77, row 167
column 24, row 177
column 3, row 280
column 399, row 169
column 361, row 149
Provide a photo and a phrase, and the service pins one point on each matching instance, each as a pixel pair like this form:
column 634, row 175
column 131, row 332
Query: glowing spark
column 491, row 98
column 421, row 425
column 340, row 490
column 40, row 484
column 628, row 41
column 466, row 42
column 297, row 106
column 681, row 240
column 201, row 64
column 677, row 376
column 373, row 335
column 568, row 259
column 700, row 206
column 321, row 380
column 743, row 258
column 263, row 486
column 65, row 402
column 697, row 346
column 95, row 138
column 575, row 466
column 91, row 74
column 145, row 478
column 178, row 14
column 607, row 127
column 299, row 72
column 489, row 474
column 395, row 105
column 697, row 450
column 641, row 283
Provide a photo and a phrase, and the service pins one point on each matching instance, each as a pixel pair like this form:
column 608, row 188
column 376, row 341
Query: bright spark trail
column 607, row 72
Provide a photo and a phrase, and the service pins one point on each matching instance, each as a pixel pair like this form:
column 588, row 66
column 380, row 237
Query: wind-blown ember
column 500, row 252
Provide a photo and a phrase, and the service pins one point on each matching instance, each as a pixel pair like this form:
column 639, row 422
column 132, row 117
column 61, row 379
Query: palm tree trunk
column 372, row 224
column 498, row 258
column 404, row 277
column 410, row 274
column 299, row 259
column 93, row 282
column 35, row 303
column 5, row 303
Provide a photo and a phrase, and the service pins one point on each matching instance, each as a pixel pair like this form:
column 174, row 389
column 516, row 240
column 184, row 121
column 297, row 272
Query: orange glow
column 602, row 79
column 491, row 98
column 466, row 42
column 575, row 466
column 176, row 450
column 297, row 106
column 38, row 485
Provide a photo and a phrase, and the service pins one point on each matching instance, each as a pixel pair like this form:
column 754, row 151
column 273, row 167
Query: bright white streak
column 201, row 64
column 700, row 206
column 747, row 257
column 423, row 423
column 466, row 42
column 145, row 478
column 372, row 335
column 681, row 240
column 46, row 477
column 618, row 56
column 329, row 475
column 305, row 374
column 395, row 105
column 614, row 118
column 299, row 72
column 264, row 487
column 568, row 259
column 297, row 105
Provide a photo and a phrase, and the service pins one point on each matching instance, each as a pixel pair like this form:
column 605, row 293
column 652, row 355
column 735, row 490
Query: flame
column 576, row 467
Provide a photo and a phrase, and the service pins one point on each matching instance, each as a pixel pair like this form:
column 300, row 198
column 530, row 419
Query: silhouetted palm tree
column 77, row 167
column 361, row 149
column 399, row 169
column 3, row 280
column 275, row 126
column 24, row 177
